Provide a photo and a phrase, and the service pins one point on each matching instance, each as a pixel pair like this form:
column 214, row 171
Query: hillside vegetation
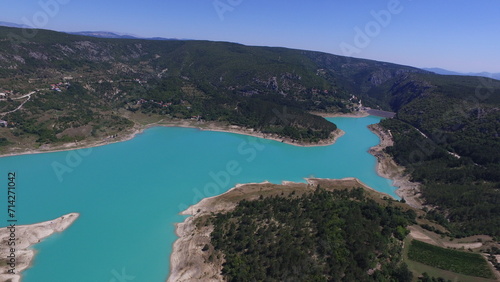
column 269, row 89
column 446, row 131
column 448, row 139
column 310, row 238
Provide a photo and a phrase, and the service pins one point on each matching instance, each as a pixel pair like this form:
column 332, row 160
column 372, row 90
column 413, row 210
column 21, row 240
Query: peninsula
column 194, row 257
column 17, row 257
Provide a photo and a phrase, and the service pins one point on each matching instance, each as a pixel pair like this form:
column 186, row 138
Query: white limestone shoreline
column 17, row 255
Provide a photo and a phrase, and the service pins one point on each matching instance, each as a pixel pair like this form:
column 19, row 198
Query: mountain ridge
column 448, row 72
column 108, row 34
column 98, row 34
column 111, row 34
column 9, row 24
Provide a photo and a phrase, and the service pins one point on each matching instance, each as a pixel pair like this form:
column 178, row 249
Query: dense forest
column 465, row 189
column 447, row 137
column 319, row 236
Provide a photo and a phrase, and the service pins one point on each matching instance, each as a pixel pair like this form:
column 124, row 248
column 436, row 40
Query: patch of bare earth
column 77, row 132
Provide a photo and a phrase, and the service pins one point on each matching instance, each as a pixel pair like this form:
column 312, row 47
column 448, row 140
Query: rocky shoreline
column 388, row 168
column 17, row 252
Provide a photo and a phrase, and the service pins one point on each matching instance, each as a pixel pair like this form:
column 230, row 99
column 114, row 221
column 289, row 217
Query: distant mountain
column 441, row 71
column 97, row 34
column 447, row 72
column 103, row 34
column 106, row 34
column 9, row 24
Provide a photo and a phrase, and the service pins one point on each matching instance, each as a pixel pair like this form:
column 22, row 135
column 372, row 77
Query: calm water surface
column 129, row 194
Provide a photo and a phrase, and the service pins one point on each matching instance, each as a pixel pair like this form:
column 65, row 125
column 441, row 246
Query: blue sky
column 458, row 35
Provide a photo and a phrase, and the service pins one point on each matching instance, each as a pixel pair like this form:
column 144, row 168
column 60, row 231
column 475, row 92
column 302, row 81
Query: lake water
column 129, row 194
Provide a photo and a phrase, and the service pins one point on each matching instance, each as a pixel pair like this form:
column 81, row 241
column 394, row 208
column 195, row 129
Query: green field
column 456, row 261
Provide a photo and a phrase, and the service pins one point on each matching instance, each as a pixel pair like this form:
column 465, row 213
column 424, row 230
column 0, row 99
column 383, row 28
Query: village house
column 57, row 86
column 3, row 123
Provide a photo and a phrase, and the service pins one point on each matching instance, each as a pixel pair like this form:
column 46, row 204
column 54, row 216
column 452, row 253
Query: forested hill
column 446, row 130
column 324, row 235
column 269, row 89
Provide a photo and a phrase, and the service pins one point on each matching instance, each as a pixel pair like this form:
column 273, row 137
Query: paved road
column 380, row 113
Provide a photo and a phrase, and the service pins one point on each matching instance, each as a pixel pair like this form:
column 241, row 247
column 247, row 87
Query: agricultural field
column 471, row 264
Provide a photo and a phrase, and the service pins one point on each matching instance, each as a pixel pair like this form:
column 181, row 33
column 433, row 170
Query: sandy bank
column 190, row 262
column 27, row 236
column 417, row 232
column 387, row 168
column 138, row 129
column 251, row 132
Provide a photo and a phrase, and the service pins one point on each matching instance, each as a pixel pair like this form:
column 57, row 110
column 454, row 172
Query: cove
column 129, row 194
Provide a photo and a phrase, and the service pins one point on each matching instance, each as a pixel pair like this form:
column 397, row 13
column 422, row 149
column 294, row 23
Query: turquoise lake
column 129, row 194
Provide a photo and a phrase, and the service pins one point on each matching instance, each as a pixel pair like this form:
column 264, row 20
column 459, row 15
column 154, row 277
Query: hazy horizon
column 456, row 36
